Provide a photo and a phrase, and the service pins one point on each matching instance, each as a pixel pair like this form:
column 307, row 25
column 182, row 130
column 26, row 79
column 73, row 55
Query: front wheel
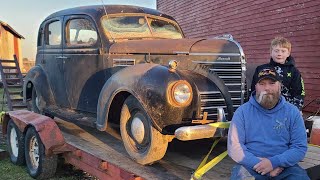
column 15, row 143
column 142, row 141
column 39, row 165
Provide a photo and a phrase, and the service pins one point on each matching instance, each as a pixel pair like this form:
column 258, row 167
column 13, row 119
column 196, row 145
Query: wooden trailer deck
column 180, row 161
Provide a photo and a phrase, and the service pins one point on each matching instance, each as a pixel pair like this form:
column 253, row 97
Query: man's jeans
column 290, row 173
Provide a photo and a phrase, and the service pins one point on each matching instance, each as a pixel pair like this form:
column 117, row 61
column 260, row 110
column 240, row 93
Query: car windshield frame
column 140, row 26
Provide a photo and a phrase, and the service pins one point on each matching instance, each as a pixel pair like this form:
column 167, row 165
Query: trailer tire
column 39, row 165
column 15, row 143
column 146, row 147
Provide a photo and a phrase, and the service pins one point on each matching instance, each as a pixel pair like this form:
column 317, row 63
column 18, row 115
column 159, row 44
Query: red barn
column 254, row 23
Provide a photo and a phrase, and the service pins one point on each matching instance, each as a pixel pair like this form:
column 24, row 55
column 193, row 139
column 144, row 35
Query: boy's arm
column 297, row 145
column 236, row 143
column 297, row 89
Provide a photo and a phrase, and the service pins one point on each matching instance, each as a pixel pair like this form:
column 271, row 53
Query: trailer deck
column 103, row 155
column 179, row 162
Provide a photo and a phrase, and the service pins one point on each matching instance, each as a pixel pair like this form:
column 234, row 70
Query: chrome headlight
column 181, row 93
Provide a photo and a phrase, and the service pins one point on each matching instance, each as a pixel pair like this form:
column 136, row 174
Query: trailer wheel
column 142, row 141
column 15, row 143
column 39, row 165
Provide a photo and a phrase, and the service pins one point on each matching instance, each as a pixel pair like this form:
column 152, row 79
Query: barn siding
column 254, row 23
column 10, row 43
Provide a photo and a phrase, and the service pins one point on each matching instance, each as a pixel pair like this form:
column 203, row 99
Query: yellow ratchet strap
column 204, row 166
column 314, row 145
column 1, row 116
column 220, row 124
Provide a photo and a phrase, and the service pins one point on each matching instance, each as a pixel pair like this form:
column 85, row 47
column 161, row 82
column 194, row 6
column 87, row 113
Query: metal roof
column 10, row 29
column 98, row 10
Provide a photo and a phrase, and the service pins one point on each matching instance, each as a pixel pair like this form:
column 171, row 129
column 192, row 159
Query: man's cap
column 267, row 72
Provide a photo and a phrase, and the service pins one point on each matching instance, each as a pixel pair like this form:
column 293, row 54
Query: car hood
column 175, row 46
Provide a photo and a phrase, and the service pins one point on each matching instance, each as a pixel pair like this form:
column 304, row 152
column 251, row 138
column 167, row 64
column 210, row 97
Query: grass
column 14, row 172
column 3, row 107
column 10, row 171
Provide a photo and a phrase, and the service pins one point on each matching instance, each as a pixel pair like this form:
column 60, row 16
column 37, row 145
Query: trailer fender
column 37, row 78
column 46, row 127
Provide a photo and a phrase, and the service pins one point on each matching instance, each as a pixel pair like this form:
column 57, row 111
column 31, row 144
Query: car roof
column 98, row 11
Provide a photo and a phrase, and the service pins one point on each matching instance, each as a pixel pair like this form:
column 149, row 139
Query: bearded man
column 267, row 137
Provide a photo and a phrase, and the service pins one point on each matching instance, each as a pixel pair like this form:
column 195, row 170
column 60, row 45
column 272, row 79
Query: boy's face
column 279, row 54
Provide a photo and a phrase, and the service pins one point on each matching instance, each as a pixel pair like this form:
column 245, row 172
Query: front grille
column 231, row 73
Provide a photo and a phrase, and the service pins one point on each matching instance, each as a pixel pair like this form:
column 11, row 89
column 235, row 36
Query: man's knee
column 240, row 172
column 295, row 173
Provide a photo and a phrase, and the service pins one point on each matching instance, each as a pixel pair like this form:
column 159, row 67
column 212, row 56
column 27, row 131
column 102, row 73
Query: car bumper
column 218, row 129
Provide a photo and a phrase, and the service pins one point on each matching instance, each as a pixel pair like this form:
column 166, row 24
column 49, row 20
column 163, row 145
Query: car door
column 84, row 75
column 52, row 59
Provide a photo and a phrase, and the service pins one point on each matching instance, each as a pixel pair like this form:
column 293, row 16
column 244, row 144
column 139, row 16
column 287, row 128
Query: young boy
column 292, row 83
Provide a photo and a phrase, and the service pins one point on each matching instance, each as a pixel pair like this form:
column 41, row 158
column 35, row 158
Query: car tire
column 146, row 147
column 35, row 101
column 39, row 165
column 34, row 104
column 15, row 143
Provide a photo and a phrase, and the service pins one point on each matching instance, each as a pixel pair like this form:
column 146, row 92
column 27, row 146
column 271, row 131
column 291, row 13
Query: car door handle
column 61, row 57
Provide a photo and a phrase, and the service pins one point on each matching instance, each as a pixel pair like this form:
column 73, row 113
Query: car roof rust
column 97, row 11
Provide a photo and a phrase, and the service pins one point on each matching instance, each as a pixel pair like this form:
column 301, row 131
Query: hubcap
column 14, row 142
column 137, row 129
column 34, row 152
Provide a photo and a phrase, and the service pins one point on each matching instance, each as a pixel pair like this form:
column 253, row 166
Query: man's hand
column 263, row 167
column 276, row 171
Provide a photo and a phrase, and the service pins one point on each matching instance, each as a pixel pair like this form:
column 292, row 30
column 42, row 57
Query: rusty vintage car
column 132, row 69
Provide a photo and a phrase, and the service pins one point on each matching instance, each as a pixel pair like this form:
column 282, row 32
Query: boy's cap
column 267, row 72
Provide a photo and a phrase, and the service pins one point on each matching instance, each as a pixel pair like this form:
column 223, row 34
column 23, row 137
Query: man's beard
column 266, row 100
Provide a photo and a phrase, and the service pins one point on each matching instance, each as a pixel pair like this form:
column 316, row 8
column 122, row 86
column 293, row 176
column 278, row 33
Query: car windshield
column 135, row 27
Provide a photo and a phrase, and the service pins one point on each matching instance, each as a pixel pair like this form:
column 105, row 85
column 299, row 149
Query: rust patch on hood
column 158, row 46
column 174, row 46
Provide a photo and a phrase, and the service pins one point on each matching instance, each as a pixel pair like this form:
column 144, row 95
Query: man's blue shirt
column 278, row 134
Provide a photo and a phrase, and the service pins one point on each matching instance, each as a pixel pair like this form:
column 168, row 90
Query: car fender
column 146, row 82
column 149, row 83
column 37, row 78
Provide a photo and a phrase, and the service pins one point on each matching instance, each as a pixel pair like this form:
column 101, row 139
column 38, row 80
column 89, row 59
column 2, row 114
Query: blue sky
column 25, row 16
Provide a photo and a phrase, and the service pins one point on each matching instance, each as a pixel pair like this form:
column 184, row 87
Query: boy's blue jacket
column 278, row 134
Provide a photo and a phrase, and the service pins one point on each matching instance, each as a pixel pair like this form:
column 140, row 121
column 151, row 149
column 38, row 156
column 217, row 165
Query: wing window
column 53, row 33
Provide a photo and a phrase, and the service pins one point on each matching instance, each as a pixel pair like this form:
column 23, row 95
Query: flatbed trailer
column 103, row 155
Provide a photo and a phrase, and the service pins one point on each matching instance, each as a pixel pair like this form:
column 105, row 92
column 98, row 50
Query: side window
column 53, row 33
column 81, row 32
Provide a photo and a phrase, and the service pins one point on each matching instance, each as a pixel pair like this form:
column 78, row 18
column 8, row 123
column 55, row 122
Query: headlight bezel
column 171, row 93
